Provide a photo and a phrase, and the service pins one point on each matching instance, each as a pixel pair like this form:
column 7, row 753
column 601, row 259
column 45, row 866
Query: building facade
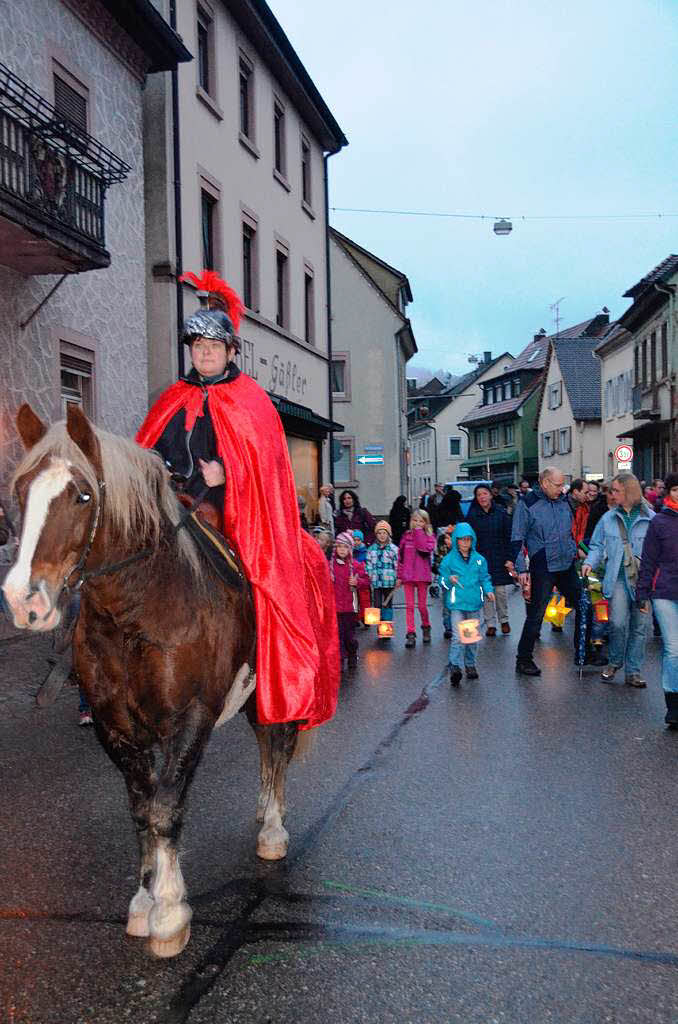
column 615, row 353
column 372, row 340
column 72, row 283
column 247, row 136
column 652, row 322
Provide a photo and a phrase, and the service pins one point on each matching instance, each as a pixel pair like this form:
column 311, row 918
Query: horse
column 100, row 519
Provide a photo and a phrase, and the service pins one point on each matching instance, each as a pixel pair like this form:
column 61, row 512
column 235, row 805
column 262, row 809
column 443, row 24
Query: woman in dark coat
column 449, row 511
column 399, row 518
column 352, row 516
column 492, row 525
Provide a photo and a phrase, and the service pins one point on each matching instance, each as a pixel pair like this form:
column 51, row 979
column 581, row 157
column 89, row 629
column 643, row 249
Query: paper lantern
column 468, row 631
column 385, row 629
column 372, row 616
column 556, row 611
column 602, row 611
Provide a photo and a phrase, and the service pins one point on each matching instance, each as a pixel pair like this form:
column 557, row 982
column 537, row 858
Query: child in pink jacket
column 348, row 577
column 414, row 572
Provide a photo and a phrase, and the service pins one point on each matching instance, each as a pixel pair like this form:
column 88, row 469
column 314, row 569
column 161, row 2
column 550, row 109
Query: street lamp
column 503, row 227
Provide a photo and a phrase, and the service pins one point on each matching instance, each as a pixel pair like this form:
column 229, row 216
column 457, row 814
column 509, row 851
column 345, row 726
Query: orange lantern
column 556, row 611
column 468, row 631
column 602, row 610
column 385, row 629
column 372, row 616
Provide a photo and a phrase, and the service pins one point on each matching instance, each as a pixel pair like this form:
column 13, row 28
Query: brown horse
column 164, row 650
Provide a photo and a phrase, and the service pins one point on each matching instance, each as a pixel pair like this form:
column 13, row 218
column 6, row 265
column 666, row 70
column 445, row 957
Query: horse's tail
column 304, row 744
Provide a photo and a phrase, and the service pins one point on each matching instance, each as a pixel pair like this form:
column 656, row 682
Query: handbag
column 631, row 561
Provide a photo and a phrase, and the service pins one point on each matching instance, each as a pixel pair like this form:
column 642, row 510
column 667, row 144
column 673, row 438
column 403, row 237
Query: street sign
column 370, row 460
column 623, row 453
column 374, row 449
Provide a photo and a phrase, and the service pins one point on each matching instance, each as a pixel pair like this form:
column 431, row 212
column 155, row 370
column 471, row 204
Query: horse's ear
column 30, row 426
column 81, row 431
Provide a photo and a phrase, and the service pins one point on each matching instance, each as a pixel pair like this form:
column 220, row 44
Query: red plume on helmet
column 215, row 286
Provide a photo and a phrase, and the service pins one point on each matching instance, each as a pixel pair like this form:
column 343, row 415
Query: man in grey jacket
column 542, row 524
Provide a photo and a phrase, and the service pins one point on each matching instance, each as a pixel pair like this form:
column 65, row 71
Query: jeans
column 666, row 613
column 497, row 610
column 348, row 645
column 461, row 654
column 447, row 621
column 543, row 582
column 422, row 591
column 628, row 630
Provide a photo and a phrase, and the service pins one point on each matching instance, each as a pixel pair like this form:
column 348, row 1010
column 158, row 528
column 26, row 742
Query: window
column 665, row 350
column 516, row 386
column 508, row 434
column 493, row 437
column 340, row 377
column 498, row 393
column 556, row 395
column 547, row 443
column 309, row 306
column 249, row 247
column 636, row 364
column 609, row 399
column 246, row 73
column 653, row 357
column 478, row 440
column 280, row 161
column 208, row 221
column 204, row 47
column 76, row 384
column 342, row 457
column 281, row 288
column 565, row 440
column 306, row 190
column 453, row 447
column 487, row 396
column 71, row 98
column 643, row 360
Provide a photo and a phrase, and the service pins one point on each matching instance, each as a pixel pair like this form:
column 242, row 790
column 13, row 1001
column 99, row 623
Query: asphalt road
column 501, row 853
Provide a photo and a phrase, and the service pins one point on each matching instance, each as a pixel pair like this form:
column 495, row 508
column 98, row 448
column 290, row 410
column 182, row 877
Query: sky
column 502, row 108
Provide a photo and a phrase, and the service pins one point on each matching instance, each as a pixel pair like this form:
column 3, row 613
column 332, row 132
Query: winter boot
column 410, row 640
column 426, row 634
column 455, row 675
column 671, row 717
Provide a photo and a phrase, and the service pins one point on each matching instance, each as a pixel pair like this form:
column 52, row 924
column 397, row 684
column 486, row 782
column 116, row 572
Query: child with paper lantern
column 382, row 568
column 466, row 582
column 348, row 578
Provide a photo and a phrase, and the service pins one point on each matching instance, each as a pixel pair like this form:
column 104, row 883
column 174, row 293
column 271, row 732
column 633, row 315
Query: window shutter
column 69, row 104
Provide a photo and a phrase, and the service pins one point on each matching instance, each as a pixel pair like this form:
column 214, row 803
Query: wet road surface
column 501, row 853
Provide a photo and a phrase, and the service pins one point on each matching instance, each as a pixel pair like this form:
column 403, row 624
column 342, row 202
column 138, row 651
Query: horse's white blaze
column 47, row 486
column 243, row 685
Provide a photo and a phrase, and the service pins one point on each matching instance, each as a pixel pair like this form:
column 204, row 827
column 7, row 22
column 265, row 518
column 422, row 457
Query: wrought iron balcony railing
column 645, row 402
column 50, row 167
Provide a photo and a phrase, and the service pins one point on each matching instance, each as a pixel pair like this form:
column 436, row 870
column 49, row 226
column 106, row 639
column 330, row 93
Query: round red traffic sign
column 623, row 453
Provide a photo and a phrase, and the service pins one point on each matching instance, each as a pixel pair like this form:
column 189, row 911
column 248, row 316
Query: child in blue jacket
column 466, row 582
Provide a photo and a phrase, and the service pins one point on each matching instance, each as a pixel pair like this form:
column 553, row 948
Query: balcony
column 53, row 181
column 645, row 402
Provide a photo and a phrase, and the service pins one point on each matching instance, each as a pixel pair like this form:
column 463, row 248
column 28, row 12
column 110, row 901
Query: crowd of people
column 545, row 538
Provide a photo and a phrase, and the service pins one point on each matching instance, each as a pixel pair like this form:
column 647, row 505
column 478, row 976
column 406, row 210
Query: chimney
column 487, row 357
column 598, row 323
column 542, row 334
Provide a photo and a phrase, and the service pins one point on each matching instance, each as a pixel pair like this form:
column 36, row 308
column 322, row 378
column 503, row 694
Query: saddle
column 204, row 523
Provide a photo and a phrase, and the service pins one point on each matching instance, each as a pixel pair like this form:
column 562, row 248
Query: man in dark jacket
column 598, row 506
column 492, row 526
column 658, row 580
column 542, row 524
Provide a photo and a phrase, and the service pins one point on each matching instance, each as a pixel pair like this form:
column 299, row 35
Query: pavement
column 499, row 854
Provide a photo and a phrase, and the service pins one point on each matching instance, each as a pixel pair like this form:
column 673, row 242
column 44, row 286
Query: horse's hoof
column 164, row 948
column 273, row 847
column 138, row 915
column 137, row 926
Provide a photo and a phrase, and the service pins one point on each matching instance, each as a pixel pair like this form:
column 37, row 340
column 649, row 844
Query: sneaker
column 505, row 628
column 491, row 631
column 426, row 634
column 455, row 675
column 448, row 634
column 635, row 680
column 410, row 640
column 472, row 672
column 527, row 667
column 86, row 718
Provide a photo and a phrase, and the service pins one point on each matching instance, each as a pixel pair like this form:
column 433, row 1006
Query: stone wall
column 103, row 310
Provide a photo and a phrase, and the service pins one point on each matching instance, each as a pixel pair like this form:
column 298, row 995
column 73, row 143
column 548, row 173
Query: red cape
column 297, row 643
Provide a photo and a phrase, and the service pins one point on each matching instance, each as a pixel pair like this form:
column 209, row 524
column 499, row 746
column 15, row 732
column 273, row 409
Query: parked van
column 466, row 489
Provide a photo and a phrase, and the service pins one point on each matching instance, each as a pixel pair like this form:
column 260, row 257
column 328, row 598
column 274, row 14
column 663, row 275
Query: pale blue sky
column 507, row 107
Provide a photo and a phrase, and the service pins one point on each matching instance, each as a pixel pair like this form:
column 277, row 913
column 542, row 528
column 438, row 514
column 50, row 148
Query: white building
column 72, row 288
column 250, row 157
column 372, row 341
column 615, row 353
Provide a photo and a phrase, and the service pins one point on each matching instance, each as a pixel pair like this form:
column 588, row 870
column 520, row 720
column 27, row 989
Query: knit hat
column 344, row 538
column 358, row 537
column 383, row 525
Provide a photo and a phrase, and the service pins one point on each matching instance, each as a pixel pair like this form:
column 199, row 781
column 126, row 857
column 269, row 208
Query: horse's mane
column 138, row 491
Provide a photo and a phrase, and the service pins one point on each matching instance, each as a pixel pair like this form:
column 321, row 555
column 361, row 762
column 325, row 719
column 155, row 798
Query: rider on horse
column 220, row 433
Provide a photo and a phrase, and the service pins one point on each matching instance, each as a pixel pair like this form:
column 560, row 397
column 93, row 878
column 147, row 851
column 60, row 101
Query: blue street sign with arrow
column 370, row 460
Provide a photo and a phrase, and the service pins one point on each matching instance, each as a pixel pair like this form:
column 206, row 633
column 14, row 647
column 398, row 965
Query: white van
column 466, row 489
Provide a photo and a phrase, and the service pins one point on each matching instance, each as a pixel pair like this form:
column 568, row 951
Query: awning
column 305, row 415
column 496, row 458
column 650, row 427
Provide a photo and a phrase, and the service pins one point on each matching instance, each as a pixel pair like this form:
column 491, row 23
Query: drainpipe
column 432, row 427
column 670, row 290
column 328, row 288
column 176, row 170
